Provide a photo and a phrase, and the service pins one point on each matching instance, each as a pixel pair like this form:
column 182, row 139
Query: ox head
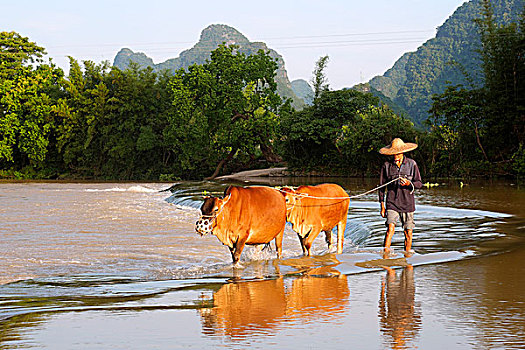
column 211, row 207
column 291, row 197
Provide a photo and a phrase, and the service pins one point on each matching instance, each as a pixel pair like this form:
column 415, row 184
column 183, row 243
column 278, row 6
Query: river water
column 119, row 266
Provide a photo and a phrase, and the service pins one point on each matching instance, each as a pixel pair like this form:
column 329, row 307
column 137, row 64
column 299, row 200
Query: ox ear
column 219, row 203
column 228, row 190
column 286, row 190
column 289, row 194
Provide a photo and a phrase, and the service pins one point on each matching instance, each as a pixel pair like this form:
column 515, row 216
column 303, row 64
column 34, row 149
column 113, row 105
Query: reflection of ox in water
column 246, row 215
column 399, row 315
column 312, row 209
column 256, row 307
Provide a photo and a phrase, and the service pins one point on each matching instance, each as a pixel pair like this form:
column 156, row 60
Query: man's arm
column 383, row 177
column 416, row 180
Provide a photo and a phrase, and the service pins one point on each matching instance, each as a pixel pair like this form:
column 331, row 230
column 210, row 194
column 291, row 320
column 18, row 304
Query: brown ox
column 312, row 209
column 246, row 215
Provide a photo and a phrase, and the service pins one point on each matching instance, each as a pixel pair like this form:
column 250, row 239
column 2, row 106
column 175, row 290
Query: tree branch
column 222, row 163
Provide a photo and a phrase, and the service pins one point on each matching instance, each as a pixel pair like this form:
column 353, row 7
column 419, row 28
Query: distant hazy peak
column 125, row 51
column 303, row 90
column 219, row 33
column 125, row 56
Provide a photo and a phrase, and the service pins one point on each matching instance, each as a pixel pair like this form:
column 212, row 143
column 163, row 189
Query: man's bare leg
column 388, row 238
column 408, row 240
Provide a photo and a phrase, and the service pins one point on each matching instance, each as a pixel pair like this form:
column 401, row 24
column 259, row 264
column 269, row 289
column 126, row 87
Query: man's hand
column 383, row 210
column 404, row 182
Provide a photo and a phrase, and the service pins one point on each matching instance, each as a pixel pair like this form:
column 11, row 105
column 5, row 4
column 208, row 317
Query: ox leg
column 232, row 251
column 309, row 240
column 341, row 227
column 237, row 249
column 328, row 238
column 302, row 240
column 279, row 244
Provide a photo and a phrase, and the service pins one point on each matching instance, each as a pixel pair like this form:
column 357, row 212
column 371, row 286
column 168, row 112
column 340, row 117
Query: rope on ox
column 304, row 195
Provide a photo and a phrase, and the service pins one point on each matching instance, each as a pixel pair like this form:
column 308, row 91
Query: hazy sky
column 362, row 37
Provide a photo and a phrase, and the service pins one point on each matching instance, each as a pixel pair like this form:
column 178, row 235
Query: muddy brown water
column 119, row 266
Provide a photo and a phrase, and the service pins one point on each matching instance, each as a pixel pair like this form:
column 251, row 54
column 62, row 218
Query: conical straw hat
column 397, row 146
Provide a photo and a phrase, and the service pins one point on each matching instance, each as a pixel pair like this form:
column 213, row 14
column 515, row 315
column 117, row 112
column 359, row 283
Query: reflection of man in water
column 399, row 319
column 400, row 203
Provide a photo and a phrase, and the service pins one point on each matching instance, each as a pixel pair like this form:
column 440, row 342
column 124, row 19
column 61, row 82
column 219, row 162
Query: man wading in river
column 400, row 204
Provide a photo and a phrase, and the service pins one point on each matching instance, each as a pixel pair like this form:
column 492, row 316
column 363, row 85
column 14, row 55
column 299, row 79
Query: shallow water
column 105, row 266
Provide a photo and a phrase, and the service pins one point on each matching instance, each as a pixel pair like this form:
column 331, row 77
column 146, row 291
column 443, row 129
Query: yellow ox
column 312, row 209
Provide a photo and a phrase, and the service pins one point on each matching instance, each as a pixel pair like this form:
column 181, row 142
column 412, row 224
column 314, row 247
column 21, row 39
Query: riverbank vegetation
column 99, row 122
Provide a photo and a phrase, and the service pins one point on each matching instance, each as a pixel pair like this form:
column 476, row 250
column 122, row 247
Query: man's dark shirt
column 398, row 197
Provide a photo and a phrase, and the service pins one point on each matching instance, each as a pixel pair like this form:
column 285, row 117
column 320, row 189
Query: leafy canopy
column 27, row 101
column 222, row 107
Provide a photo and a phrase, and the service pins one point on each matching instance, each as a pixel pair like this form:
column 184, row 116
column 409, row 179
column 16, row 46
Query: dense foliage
column 223, row 109
column 341, row 133
column 112, row 122
column 105, row 123
column 28, row 99
column 225, row 115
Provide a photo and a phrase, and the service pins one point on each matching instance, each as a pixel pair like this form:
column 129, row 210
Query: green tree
column 113, row 123
column 319, row 80
column 224, row 109
column 84, row 118
column 28, row 98
column 503, row 56
column 323, row 135
column 485, row 127
column 16, row 52
column 373, row 128
column 463, row 112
